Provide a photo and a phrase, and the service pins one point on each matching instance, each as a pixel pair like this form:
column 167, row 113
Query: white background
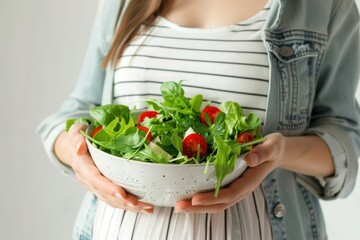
column 42, row 45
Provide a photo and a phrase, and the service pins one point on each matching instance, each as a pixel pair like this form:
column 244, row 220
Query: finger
column 250, row 180
column 225, row 196
column 270, row 150
column 185, row 206
column 145, row 207
column 81, row 146
column 259, row 154
column 104, row 185
column 124, row 204
column 114, row 194
column 238, row 189
column 89, row 174
column 76, row 137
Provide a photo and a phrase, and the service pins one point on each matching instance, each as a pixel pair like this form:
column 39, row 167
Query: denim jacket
column 313, row 50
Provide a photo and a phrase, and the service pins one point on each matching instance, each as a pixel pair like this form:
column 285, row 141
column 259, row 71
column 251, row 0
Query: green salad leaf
column 104, row 115
column 224, row 161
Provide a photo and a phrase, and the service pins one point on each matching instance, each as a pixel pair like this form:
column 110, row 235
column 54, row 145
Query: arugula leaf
column 175, row 100
column 224, row 162
column 173, row 93
column 218, row 128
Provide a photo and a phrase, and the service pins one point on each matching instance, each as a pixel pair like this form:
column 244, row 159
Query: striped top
column 225, row 63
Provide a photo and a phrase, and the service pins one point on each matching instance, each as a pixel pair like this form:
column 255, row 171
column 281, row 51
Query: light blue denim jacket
column 313, row 49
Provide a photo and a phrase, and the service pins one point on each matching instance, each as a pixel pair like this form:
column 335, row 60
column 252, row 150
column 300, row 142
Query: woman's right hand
column 77, row 156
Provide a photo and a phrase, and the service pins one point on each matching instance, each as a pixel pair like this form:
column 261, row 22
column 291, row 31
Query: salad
column 177, row 130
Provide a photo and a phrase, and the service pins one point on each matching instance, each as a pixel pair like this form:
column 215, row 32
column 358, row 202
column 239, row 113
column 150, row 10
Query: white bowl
column 160, row 184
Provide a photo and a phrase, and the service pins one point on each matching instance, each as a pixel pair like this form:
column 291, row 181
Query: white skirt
column 246, row 220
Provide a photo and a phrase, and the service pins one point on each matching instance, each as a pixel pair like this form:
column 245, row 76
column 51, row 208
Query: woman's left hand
column 262, row 160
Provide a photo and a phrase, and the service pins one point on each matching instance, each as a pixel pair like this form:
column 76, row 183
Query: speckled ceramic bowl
column 160, row 184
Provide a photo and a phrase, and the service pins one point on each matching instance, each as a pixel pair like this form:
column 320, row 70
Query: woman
column 293, row 63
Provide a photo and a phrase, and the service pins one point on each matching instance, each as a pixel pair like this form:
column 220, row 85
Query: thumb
column 81, row 147
column 258, row 155
column 77, row 139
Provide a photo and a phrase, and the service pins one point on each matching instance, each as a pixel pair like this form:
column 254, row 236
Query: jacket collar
column 306, row 15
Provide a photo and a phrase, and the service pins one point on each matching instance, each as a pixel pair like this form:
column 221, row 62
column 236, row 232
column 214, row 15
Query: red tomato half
column 190, row 145
column 211, row 111
column 147, row 114
column 96, row 130
column 145, row 129
column 245, row 137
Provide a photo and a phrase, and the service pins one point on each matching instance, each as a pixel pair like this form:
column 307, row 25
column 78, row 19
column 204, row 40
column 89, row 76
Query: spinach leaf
column 104, row 115
column 196, row 102
column 70, row 122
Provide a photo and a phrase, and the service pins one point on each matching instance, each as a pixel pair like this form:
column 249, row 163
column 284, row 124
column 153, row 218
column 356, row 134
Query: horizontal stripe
column 200, row 39
column 244, row 70
column 191, row 72
column 159, row 97
column 192, row 86
column 195, row 49
column 195, row 60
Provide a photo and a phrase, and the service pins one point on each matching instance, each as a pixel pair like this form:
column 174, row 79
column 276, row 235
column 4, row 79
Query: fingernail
column 77, row 148
column 147, row 208
column 180, row 210
column 129, row 204
column 254, row 158
column 197, row 203
column 144, row 211
column 118, row 195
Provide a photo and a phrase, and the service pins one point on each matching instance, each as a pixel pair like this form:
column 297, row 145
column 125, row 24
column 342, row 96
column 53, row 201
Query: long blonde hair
column 137, row 13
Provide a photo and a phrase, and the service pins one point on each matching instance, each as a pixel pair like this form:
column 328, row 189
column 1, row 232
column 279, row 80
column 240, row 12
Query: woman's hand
column 88, row 174
column 262, row 160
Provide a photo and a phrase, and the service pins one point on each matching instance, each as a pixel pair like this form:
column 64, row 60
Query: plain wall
column 42, row 45
column 42, row 48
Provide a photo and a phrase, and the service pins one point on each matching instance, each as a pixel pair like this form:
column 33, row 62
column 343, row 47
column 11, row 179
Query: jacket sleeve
column 336, row 115
column 89, row 87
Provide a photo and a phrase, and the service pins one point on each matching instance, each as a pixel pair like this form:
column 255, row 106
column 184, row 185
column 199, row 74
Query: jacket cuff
column 330, row 187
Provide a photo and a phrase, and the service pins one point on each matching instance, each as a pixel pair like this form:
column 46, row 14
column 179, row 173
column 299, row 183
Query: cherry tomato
column 211, row 111
column 96, row 130
column 146, row 130
column 245, row 137
column 190, row 145
column 147, row 114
